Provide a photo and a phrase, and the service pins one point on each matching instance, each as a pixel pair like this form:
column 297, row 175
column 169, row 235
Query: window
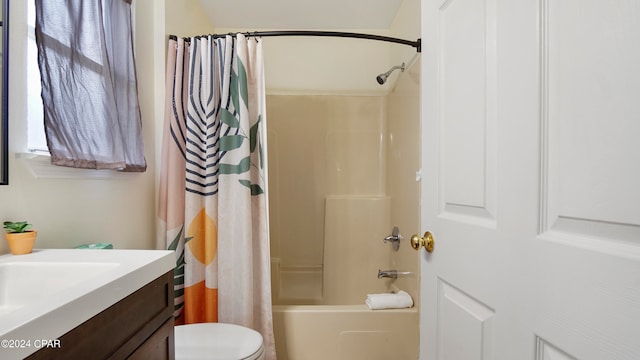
column 36, row 139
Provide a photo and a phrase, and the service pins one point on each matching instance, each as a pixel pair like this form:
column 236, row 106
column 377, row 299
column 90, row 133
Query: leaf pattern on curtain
column 178, row 271
column 228, row 134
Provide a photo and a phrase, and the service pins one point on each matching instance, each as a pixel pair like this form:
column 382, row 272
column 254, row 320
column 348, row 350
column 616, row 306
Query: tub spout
column 393, row 274
column 387, row 274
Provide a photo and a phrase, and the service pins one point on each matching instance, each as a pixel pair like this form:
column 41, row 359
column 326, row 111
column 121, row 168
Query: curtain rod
column 416, row 44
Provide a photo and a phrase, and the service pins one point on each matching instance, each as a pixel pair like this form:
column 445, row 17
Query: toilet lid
column 217, row 341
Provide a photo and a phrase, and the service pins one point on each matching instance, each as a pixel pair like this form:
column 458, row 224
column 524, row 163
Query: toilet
column 217, row 341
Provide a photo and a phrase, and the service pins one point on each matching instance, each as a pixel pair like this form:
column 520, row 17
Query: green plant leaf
column 243, row 166
column 174, row 243
column 16, row 227
column 253, row 134
column 230, row 142
column 178, row 271
column 261, row 157
column 233, row 90
column 238, row 86
column 255, row 188
column 242, row 83
column 229, row 119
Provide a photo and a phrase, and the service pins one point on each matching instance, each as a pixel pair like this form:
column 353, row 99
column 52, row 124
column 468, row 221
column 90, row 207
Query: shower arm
column 401, row 67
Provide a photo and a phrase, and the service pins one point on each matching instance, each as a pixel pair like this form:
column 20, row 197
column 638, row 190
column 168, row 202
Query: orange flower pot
column 21, row 243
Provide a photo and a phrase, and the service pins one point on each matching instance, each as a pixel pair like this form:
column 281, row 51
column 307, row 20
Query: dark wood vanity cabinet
column 139, row 326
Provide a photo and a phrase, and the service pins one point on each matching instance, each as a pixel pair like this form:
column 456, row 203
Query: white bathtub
column 308, row 324
column 345, row 332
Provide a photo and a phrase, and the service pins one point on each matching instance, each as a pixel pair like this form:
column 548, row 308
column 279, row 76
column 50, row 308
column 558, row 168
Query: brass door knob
column 426, row 241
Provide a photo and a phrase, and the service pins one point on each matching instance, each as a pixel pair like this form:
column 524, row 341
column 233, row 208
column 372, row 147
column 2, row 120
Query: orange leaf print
column 204, row 237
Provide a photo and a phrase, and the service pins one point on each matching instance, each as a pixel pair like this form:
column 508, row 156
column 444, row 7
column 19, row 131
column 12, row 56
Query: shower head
column 382, row 78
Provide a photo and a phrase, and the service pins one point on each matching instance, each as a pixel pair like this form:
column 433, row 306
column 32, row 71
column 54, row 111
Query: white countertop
column 65, row 287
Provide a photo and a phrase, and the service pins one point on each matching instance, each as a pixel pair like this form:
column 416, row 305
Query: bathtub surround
column 327, row 157
column 343, row 173
column 402, row 169
column 214, row 167
column 353, row 247
column 354, row 161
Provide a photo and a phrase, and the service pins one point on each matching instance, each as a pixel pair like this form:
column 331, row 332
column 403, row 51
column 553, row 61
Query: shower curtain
column 213, row 201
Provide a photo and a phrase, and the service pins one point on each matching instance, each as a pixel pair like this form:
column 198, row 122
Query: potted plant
column 20, row 237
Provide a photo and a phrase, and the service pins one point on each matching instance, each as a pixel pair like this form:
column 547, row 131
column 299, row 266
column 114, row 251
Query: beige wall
column 185, row 18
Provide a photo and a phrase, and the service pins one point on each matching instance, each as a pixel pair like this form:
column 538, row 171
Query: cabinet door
column 160, row 346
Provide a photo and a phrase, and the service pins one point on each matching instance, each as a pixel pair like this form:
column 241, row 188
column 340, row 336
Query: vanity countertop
column 47, row 293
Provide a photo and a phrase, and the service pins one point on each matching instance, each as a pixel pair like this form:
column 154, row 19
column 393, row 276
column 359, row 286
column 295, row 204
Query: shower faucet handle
column 394, row 238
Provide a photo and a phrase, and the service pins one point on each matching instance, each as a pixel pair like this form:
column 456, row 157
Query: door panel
column 589, row 115
column 546, row 351
column 466, row 325
column 531, row 163
column 467, row 76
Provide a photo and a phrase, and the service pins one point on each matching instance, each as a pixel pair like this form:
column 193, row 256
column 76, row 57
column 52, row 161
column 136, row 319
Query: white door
column 531, row 179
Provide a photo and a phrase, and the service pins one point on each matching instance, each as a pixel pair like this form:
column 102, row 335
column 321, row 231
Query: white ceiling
column 301, row 14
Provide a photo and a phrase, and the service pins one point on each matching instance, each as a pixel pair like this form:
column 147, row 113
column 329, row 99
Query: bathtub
column 308, row 325
column 345, row 332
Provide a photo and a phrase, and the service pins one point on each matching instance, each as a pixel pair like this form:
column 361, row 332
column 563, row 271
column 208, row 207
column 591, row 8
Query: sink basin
column 45, row 294
column 22, row 283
